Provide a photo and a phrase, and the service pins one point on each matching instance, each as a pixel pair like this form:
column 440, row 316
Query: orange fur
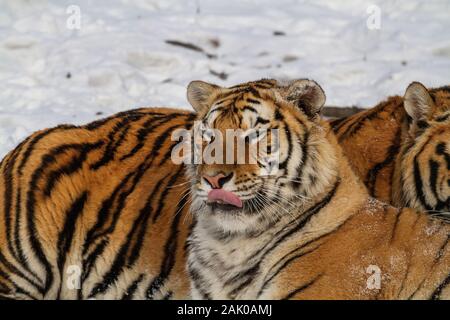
column 382, row 144
column 106, row 186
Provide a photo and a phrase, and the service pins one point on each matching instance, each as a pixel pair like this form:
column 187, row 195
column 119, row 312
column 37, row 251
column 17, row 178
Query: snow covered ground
column 120, row 58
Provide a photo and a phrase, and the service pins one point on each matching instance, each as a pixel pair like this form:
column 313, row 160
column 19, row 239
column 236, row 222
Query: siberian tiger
column 96, row 211
column 401, row 148
column 309, row 230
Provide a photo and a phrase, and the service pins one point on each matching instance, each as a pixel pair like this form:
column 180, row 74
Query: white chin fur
column 226, row 222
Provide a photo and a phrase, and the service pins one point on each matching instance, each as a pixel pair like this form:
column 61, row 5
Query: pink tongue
column 225, row 196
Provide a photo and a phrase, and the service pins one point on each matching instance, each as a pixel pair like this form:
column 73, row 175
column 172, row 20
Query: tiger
column 401, row 148
column 95, row 212
column 310, row 229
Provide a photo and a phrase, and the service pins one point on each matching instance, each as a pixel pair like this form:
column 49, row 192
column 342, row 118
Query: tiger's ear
column 200, row 95
column 307, row 95
column 417, row 102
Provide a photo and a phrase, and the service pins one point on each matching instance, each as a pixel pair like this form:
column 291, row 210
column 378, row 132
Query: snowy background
column 127, row 54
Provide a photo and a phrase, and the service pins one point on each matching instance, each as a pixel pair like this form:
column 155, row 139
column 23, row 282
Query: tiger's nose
column 217, row 181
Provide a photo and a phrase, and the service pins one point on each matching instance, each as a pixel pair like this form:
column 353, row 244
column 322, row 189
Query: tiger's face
column 425, row 162
column 294, row 165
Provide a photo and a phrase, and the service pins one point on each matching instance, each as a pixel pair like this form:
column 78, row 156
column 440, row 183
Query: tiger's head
column 424, row 162
column 244, row 196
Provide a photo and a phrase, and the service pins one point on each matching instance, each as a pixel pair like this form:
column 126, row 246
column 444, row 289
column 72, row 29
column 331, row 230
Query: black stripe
column 17, row 240
column 66, row 235
column 372, row 174
column 343, row 122
column 360, row 120
column 261, row 120
column 218, row 109
column 4, row 277
column 284, row 265
column 253, row 101
column 419, row 185
column 278, row 115
column 149, row 127
column 35, row 140
column 243, row 274
column 262, row 86
column 443, row 117
column 437, row 293
column 434, row 169
column 232, row 294
column 284, row 164
column 187, row 125
column 13, row 270
column 73, row 166
column 7, row 204
column 198, row 282
column 251, row 109
column 417, row 177
column 399, row 211
column 246, row 276
column 114, row 143
column 442, row 249
column 302, row 165
column 129, row 293
column 336, row 123
column 162, row 200
column 167, row 296
column 131, row 114
column 254, row 92
column 301, row 288
column 440, row 150
column 439, row 255
column 169, row 253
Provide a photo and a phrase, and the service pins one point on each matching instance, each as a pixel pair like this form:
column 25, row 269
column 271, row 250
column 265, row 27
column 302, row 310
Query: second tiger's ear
column 307, row 95
column 201, row 94
column 417, row 102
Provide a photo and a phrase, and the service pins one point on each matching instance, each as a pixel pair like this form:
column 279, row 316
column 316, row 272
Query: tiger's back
column 371, row 141
column 96, row 211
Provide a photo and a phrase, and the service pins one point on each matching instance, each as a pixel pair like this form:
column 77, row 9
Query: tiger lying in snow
column 310, row 231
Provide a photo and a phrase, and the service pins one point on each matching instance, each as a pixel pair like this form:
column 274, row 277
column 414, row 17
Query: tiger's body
column 311, row 231
column 403, row 159
column 89, row 211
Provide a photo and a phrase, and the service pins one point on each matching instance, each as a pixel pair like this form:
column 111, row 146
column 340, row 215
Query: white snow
column 118, row 59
